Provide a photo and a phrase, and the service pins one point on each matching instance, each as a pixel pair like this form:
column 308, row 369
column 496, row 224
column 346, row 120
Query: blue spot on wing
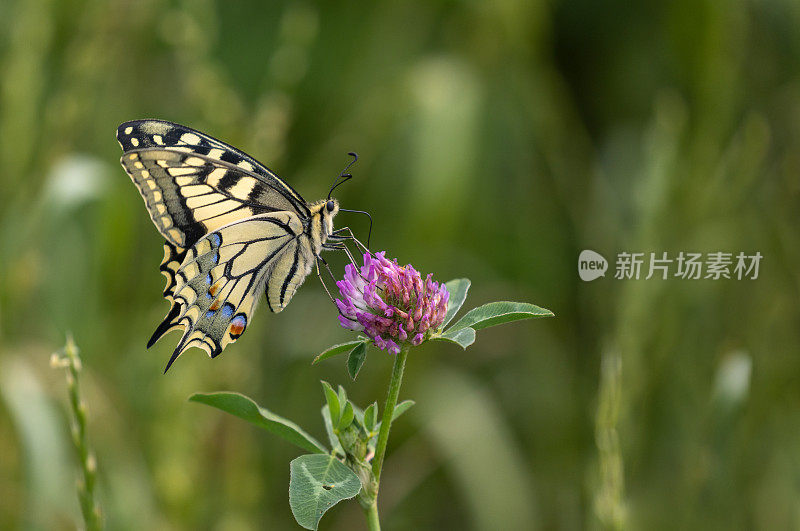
column 227, row 310
column 210, row 314
column 216, row 239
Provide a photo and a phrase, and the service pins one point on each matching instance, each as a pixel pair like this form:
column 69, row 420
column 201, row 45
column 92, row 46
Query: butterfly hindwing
column 221, row 277
column 192, row 183
column 173, row 258
column 288, row 273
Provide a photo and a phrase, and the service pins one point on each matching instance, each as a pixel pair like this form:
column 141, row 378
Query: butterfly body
column 233, row 230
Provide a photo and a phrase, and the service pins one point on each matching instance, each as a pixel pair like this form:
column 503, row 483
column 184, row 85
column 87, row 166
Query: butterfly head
column 325, row 210
column 329, row 210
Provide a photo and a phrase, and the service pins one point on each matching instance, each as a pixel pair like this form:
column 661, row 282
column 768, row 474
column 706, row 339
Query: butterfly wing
column 192, row 183
column 221, row 277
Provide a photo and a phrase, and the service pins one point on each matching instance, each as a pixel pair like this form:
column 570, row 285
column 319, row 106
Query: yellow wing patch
column 182, row 205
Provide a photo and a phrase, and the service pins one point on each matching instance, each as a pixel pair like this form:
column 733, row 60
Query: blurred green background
column 497, row 140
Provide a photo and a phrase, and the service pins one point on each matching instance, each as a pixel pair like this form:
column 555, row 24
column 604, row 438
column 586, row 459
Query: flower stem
column 373, row 523
column 371, row 511
column 388, row 412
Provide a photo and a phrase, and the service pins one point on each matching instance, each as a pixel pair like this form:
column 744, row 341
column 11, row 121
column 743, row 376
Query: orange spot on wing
column 213, row 290
column 237, row 328
column 215, row 305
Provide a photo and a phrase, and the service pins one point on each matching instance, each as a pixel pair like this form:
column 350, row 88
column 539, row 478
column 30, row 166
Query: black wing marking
column 192, row 183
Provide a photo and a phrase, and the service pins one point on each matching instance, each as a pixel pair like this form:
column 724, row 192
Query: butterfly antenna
column 344, row 176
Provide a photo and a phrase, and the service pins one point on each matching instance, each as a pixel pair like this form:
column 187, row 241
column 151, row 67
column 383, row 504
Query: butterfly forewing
column 192, row 183
column 159, row 134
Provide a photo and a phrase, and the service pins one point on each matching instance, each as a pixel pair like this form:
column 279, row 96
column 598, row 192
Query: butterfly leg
column 340, row 246
column 346, row 233
column 319, row 275
column 325, row 263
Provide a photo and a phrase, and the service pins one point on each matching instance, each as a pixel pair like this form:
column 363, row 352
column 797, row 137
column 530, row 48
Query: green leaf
column 317, row 483
column 244, row 408
column 495, row 313
column 359, row 414
column 356, row 359
column 334, row 350
column 359, row 418
column 401, row 408
column 334, row 440
column 457, row 288
column 371, row 417
column 347, row 416
column 334, row 406
column 342, row 400
column 462, row 337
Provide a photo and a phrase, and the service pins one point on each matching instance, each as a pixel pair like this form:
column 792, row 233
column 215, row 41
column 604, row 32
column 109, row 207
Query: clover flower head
column 391, row 304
